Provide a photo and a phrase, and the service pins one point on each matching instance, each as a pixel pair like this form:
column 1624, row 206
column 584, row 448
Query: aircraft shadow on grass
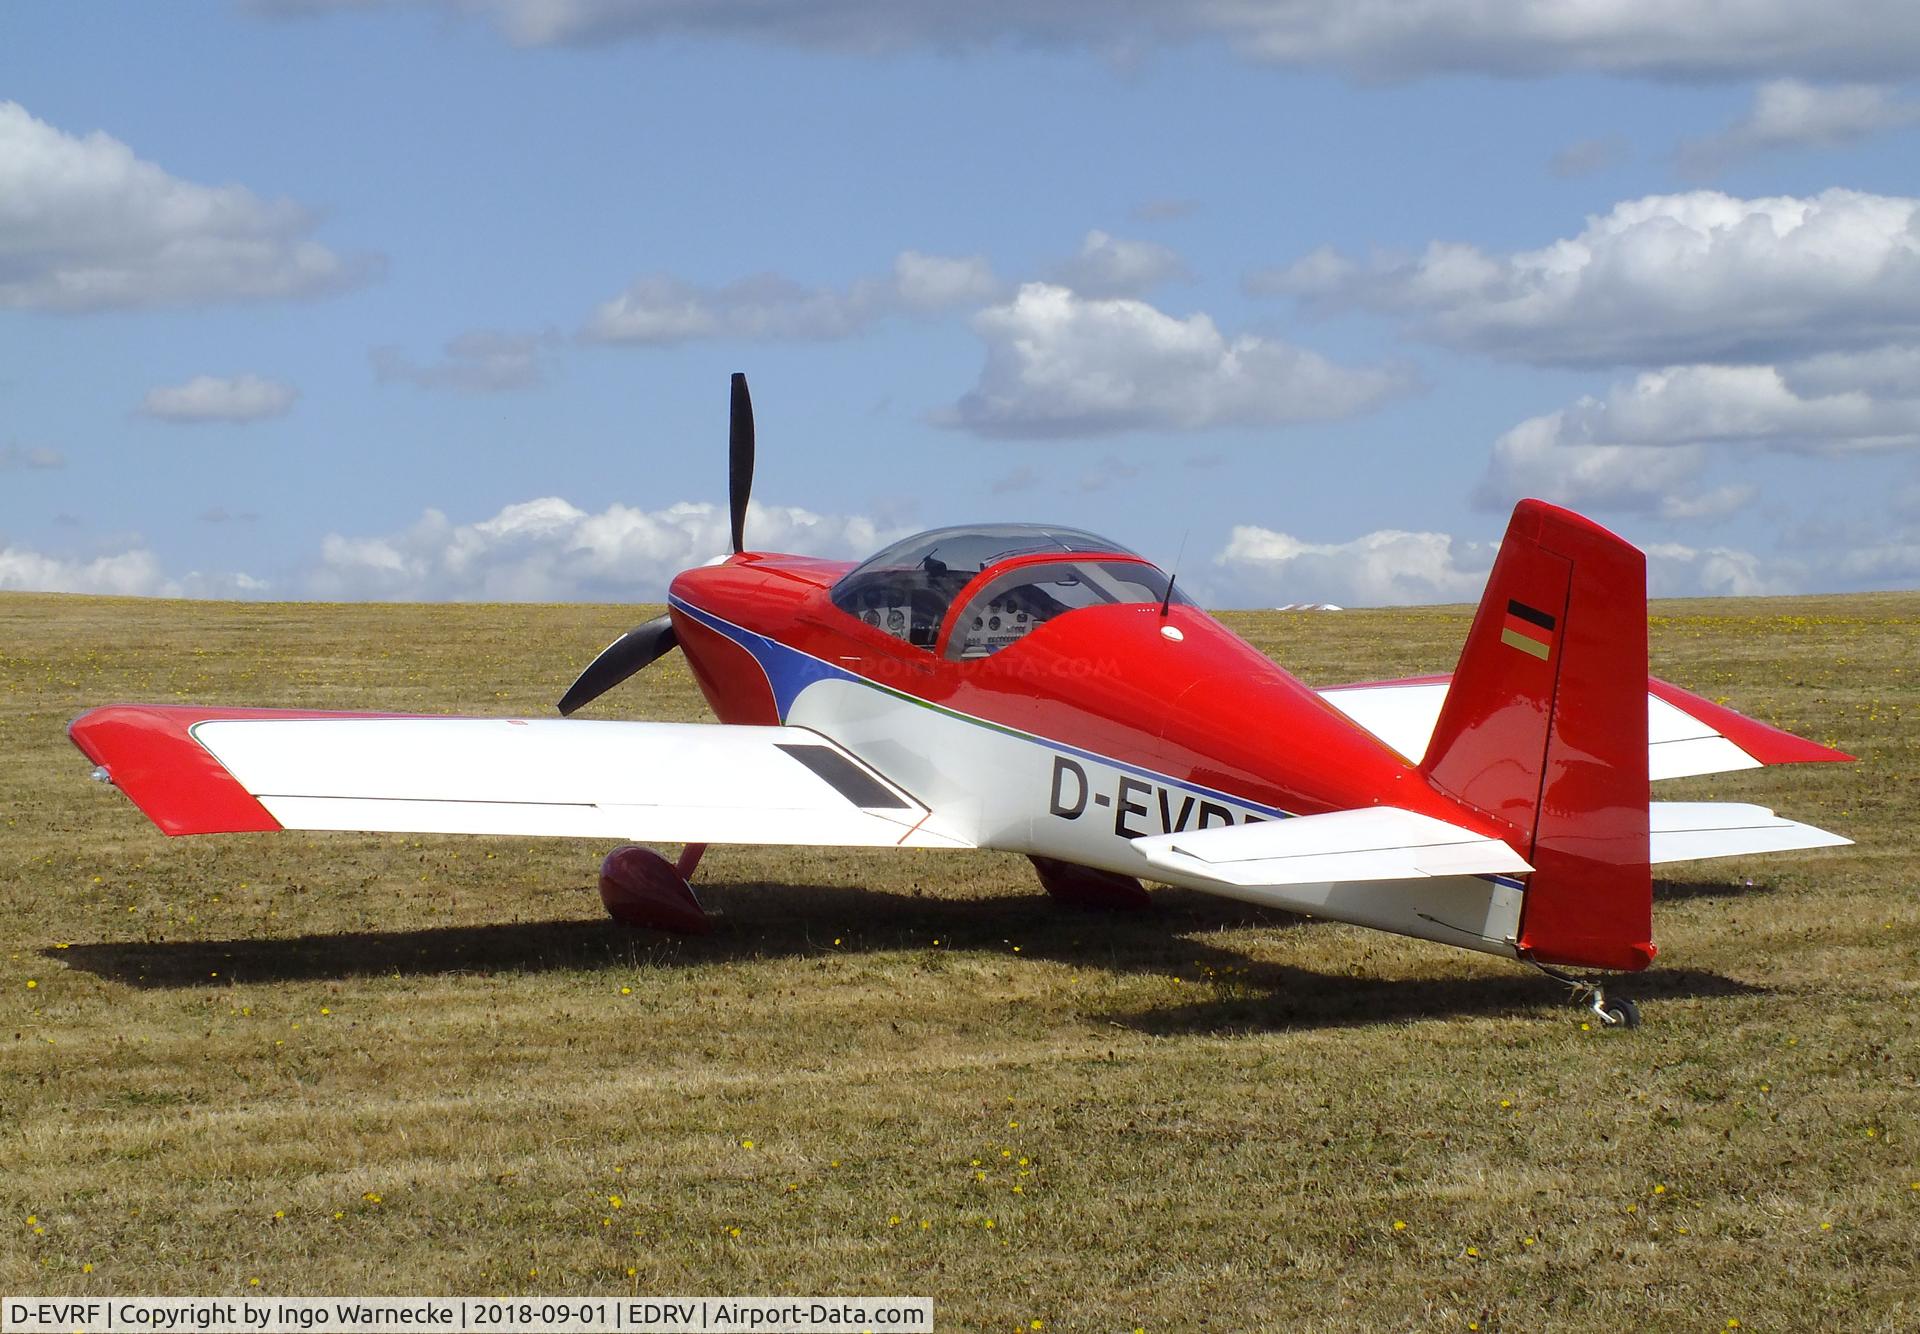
column 1679, row 891
column 771, row 922
column 1282, row 998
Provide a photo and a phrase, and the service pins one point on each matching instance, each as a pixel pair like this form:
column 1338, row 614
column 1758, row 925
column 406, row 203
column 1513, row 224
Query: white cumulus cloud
column 215, row 398
column 1677, row 570
column 1108, row 266
column 1666, row 279
column 87, row 225
column 1364, row 38
column 1261, row 567
column 1643, row 445
column 480, row 362
column 660, row 308
column 1792, row 113
column 550, row 550
column 1386, row 568
column 1059, row 364
column 134, row 572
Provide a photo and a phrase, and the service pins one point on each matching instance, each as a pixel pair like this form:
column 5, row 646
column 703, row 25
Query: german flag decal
column 1528, row 629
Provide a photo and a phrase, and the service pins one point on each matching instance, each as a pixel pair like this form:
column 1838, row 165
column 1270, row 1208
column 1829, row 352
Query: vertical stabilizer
column 1544, row 730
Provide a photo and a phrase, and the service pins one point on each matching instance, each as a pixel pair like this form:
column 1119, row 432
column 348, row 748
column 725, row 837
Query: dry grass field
column 307, row 1064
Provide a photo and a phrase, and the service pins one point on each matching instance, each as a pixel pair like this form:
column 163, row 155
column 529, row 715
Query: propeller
column 636, row 649
column 739, row 458
column 641, row 646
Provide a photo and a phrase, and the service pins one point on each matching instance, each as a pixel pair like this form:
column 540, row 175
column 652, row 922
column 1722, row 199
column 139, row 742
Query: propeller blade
column 626, row 655
column 740, row 458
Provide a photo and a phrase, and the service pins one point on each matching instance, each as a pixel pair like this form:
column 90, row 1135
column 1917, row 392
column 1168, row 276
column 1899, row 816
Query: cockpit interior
column 909, row 590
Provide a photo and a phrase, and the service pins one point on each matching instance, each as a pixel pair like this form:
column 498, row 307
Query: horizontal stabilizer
column 1684, row 831
column 1376, row 843
column 1687, row 734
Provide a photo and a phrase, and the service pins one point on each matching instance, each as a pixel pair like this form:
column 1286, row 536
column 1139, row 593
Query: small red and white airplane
column 1040, row 690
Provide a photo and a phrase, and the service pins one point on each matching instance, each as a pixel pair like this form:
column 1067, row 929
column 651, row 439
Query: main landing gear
column 641, row 888
column 1084, row 887
column 1612, row 1011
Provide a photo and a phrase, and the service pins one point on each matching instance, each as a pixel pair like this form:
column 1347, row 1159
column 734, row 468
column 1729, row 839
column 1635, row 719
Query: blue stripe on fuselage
column 789, row 671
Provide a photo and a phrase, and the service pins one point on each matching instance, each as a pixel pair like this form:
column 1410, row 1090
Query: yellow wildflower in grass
column 626, row 991
column 1399, row 1225
column 1659, row 1189
column 253, row 1282
column 988, row 1223
column 33, row 984
column 325, row 1010
column 1473, row 1252
column 1826, row 1227
column 926, row 1225
column 614, row 1200
column 1506, row 1102
column 279, row 1213
column 86, row 1269
column 1526, row 1241
column 372, row 1197
column 632, row 1272
column 746, row 1144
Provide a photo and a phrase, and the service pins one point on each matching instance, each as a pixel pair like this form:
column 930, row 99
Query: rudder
column 1544, row 730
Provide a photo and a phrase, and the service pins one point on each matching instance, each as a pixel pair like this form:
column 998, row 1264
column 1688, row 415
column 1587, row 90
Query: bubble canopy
column 908, row 588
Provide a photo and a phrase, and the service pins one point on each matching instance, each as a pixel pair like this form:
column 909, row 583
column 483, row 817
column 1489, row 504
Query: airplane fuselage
column 1097, row 728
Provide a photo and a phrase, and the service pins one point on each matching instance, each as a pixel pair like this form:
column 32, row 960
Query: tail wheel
column 1618, row 1012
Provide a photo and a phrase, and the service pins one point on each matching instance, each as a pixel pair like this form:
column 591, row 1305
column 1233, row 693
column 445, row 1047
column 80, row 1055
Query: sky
column 438, row 299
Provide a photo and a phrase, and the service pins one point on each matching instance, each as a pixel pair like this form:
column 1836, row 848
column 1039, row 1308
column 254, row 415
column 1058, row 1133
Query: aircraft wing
column 1687, row 734
column 203, row 771
column 1374, row 843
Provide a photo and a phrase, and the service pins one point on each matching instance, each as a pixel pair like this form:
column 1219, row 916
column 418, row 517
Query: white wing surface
column 1377, row 843
column 1693, row 830
column 1686, row 734
column 201, row 771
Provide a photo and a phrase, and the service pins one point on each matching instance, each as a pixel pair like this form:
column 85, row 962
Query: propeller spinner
column 641, row 646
